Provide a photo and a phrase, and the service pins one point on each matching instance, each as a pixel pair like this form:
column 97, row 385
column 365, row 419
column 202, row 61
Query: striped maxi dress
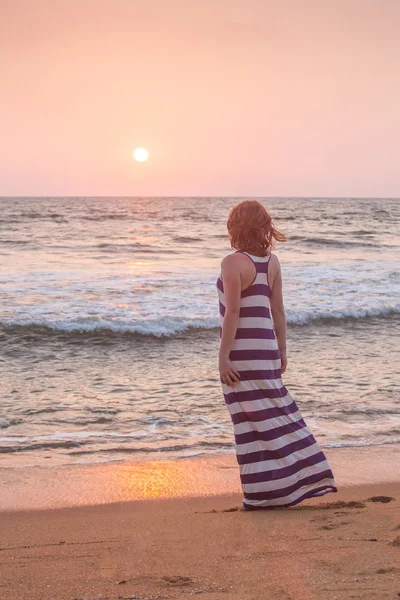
column 280, row 462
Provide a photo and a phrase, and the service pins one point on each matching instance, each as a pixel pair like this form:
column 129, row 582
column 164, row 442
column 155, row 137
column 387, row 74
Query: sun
column 140, row 154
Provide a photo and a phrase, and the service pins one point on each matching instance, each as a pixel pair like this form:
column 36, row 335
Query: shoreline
column 24, row 489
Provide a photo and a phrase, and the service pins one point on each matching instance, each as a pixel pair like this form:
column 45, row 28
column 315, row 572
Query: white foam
column 304, row 317
column 161, row 303
column 360, row 443
column 169, row 326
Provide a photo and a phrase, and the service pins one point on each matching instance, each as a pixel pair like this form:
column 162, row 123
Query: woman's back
column 280, row 461
column 255, row 327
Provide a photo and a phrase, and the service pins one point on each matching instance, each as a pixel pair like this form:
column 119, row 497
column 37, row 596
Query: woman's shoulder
column 231, row 258
column 273, row 259
column 236, row 262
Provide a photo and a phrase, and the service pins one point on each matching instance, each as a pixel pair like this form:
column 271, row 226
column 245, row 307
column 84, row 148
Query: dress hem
column 326, row 489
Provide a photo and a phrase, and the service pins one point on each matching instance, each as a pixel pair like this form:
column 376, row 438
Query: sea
column 109, row 325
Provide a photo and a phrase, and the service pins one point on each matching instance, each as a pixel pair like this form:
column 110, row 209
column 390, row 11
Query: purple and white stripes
column 280, row 461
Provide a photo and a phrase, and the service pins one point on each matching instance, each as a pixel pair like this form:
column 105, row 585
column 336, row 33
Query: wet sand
column 83, row 485
column 340, row 546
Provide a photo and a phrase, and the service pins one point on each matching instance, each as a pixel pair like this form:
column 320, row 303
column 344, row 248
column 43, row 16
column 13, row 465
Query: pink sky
column 230, row 97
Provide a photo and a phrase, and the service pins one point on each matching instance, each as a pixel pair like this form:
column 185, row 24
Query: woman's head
column 250, row 228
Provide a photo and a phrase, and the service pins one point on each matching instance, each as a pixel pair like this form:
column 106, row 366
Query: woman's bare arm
column 232, row 288
column 278, row 309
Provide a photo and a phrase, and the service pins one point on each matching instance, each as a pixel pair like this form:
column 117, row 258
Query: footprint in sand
column 342, row 504
column 327, row 506
column 168, row 580
column 335, row 525
column 396, row 542
column 383, row 499
column 332, row 522
column 234, row 509
column 329, row 527
column 177, row 580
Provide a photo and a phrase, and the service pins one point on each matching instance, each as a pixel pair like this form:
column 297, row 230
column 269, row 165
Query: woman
column 280, row 462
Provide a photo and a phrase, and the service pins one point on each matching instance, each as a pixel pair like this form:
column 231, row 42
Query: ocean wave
column 67, row 445
column 10, row 422
column 310, row 317
column 77, row 447
column 109, row 217
column 186, row 239
column 156, row 450
column 156, row 328
column 367, row 410
column 361, row 443
column 135, row 247
column 73, row 449
column 170, row 327
column 15, row 242
column 321, row 241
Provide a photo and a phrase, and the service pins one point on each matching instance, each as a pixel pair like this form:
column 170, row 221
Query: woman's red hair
column 251, row 229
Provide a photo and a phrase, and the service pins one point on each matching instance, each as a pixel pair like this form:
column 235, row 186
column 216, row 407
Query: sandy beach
column 177, row 542
column 199, row 300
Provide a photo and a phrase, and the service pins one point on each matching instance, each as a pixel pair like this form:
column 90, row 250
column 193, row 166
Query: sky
column 230, row 97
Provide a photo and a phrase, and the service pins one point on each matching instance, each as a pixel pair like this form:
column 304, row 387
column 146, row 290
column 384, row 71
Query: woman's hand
column 283, row 360
column 227, row 371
